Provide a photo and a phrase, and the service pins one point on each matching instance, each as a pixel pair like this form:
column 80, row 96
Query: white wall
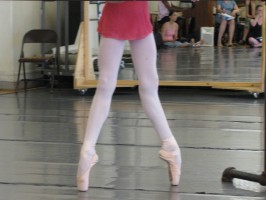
column 16, row 18
column 153, row 6
column 50, row 15
column 6, row 51
column 94, row 36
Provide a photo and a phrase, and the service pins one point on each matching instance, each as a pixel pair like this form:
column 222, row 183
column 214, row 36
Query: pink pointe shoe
column 87, row 160
column 173, row 160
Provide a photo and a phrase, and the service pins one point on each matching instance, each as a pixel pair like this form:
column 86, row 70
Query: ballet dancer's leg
column 144, row 59
column 110, row 54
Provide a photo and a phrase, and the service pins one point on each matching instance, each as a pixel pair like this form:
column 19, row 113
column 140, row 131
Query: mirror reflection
column 206, row 43
column 221, row 44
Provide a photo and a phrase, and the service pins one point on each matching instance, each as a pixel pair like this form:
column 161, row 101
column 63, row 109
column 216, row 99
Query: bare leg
column 245, row 34
column 231, row 31
column 254, row 43
column 221, row 32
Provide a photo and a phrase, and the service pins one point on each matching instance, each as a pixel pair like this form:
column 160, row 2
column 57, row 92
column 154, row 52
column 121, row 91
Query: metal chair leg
column 18, row 77
column 24, row 75
column 52, row 79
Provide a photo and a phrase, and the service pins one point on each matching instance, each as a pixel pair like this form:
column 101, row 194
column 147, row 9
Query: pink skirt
column 126, row 20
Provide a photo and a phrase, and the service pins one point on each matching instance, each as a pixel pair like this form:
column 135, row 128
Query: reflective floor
column 41, row 134
column 238, row 64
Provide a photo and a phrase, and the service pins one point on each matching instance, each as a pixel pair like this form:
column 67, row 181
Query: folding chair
column 45, row 63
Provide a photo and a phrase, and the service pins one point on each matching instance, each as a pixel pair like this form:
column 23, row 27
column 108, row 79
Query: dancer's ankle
column 88, row 147
column 170, row 144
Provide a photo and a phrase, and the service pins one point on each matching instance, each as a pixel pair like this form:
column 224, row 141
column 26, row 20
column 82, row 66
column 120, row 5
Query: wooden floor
column 41, row 134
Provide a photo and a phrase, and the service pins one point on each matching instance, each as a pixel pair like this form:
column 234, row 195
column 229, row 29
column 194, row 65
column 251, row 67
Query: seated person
column 250, row 8
column 255, row 32
column 169, row 33
column 226, row 7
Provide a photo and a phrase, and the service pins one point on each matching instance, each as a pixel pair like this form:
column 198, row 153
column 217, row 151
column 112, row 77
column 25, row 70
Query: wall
column 94, row 37
column 6, row 52
column 17, row 17
column 153, row 6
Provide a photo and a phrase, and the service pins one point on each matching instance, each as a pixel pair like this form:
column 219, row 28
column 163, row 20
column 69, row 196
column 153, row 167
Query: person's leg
column 181, row 44
column 222, row 28
column 245, row 34
column 169, row 44
column 231, row 31
column 254, row 42
column 144, row 58
column 110, row 54
column 246, row 31
column 258, row 45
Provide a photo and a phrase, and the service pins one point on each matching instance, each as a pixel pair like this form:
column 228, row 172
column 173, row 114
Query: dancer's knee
column 106, row 87
column 150, row 85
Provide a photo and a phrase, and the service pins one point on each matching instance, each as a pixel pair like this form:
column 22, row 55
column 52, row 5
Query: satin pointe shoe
column 173, row 159
column 87, row 160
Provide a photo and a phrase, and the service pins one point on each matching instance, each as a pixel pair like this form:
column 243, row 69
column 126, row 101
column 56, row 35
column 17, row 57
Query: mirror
column 236, row 68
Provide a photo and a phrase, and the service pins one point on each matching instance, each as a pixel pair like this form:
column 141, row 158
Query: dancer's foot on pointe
column 88, row 158
column 170, row 153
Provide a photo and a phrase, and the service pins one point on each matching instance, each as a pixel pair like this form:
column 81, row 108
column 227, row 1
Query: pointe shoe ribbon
column 174, row 165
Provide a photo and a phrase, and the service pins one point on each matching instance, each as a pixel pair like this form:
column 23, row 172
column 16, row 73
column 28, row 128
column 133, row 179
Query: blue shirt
column 227, row 6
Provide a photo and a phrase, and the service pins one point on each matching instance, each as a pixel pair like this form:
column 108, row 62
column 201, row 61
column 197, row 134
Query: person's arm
column 253, row 9
column 235, row 10
column 163, row 32
column 171, row 7
column 176, row 32
column 247, row 9
column 166, row 4
column 253, row 22
column 219, row 8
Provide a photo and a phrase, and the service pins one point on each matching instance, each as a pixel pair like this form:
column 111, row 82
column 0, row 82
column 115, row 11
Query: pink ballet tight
column 144, row 58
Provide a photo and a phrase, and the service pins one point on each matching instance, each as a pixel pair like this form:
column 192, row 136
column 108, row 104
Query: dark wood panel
column 202, row 14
